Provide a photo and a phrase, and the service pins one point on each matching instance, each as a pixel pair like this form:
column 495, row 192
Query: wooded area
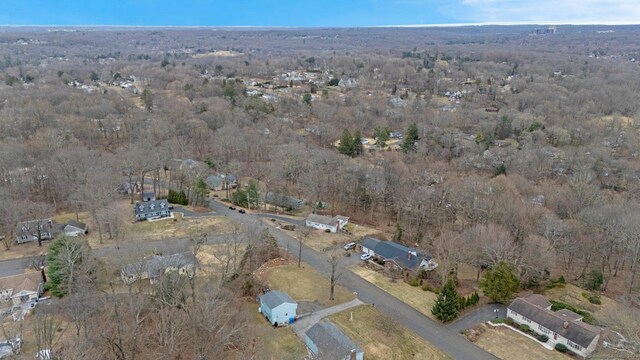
column 478, row 145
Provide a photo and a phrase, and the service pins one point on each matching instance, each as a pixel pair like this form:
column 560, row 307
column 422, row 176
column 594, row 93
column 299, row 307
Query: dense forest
column 480, row 145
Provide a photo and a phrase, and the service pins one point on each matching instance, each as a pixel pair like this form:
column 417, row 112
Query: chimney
column 352, row 355
column 408, row 255
column 44, row 276
column 565, row 325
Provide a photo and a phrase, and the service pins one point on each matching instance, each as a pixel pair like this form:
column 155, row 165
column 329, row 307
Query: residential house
column 278, row 307
column 221, row 182
column 562, row 326
column 75, row 228
column 397, row 255
column 283, row 201
column 151, row 210
column 21, row 289
column 154, row 267
column 148, row 196
column 324, row 340
column 322, row 222
column 28, row 231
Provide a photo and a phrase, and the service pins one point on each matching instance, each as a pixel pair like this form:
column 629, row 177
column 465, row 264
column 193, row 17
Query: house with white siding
column 324, row 223
column 562, row 326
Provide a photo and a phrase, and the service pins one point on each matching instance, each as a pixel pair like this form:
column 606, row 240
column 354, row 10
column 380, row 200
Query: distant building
column 148, row 196
column 322, row 222
column 283, row 201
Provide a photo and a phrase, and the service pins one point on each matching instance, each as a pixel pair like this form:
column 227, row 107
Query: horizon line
column 470, row 24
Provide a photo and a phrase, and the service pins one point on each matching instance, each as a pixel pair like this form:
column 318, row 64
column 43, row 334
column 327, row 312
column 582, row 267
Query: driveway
column 301, row 326
column 478, row 316
column 440, row 336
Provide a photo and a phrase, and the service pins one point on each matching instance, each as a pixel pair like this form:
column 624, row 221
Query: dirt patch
column 509, row 345
column 415, row 297
column 383, row 338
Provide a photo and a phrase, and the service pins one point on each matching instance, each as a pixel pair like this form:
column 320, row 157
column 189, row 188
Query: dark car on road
column 232, row 207
column 241, row 211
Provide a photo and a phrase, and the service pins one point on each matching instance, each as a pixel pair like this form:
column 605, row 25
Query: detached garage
column 278, row 307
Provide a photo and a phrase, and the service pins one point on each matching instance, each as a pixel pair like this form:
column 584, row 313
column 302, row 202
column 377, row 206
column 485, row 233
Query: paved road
column 301, row 326
column 15, row 266
column 478, row 316
column 447, row 340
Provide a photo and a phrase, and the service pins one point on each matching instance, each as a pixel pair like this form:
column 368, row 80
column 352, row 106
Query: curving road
column 446, row 339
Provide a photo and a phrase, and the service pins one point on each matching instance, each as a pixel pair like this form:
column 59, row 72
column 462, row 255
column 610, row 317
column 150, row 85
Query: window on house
column 574, row 345
column 526, row 319
column 544, row 330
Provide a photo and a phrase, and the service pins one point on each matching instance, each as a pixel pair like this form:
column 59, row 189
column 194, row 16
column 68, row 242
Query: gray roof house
column 152, row 210
column 27, row 231
column 221, row 182
column 154, row 267
column 148, row 196
column 75, row 228
column 562, row 326
column 283, row 201
column 398, row 255
column 324, row 340
column 278, row 307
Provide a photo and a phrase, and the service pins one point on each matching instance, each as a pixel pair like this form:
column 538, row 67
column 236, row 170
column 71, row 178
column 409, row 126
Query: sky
column 315, row 13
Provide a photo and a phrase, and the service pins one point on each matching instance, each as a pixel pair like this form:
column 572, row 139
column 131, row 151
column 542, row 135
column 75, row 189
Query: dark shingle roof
column 330, row 340
column 576, row 331
column 151, row 206
column 30, row 228
column 276, row 298
column 389, row 250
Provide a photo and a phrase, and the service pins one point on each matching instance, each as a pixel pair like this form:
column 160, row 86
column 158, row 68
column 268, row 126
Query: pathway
column 301, row 326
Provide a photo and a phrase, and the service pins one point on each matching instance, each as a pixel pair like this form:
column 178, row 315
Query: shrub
column 499, row 321
column 509, row 321
column 524, row 328
column 413, row 281
column 426, row 287
column 593, row 298
column 593, row 280
column 561, row 347
column 327, row 230
column 543, row 338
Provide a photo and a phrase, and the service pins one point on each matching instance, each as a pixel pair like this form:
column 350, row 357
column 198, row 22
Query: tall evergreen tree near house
column 500, row 283
column 409, row 143
column 446, row 306
column 357, row 143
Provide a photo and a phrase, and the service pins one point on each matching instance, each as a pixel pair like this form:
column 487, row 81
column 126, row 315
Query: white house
column 322, row 222
column 75, row 228
column 278, row 307
column 562, row 326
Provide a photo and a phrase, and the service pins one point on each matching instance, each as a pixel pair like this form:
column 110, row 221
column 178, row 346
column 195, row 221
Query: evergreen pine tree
column 346, row 143
column 446, row 306
column 410, row 139
column 499, row 283
column 357, row 143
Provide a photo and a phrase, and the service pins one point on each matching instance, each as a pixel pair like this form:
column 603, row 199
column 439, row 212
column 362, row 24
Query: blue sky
column 314, row 13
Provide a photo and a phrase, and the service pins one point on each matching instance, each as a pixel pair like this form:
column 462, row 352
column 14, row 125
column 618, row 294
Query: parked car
column 232, row 207
column 242, row 211
column 365, row 257
column 349, row 246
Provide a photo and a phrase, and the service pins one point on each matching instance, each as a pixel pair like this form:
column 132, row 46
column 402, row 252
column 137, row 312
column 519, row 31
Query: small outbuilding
column 325, row 341
column 278, row 307
column 75, row 228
